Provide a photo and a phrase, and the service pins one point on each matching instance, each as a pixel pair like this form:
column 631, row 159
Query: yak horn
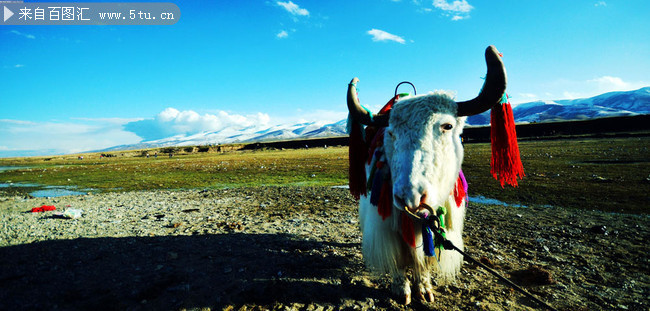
column 360, row 114
column 493, row 89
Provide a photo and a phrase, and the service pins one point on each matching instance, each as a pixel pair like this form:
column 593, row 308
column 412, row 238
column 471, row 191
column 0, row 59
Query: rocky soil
column 291, row 248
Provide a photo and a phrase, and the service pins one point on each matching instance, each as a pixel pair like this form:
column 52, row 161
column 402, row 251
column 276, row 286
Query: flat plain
column 269, row 230
column 609, row 174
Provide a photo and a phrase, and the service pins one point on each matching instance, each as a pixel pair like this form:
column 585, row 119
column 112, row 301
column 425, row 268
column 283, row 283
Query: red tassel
column 389, row 105
column 408, row 233
column 385, row 206
column 506, row 162
column 459, row 192
column 358, row 151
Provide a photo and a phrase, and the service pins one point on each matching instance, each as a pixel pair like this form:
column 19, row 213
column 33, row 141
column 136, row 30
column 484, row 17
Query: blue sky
column 234, row 64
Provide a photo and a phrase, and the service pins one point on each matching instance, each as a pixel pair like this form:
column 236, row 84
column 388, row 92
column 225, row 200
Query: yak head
column 422, row 137
column 423, row 149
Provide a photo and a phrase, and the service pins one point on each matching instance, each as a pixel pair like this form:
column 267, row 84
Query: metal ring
column 415, row 92
column 418, row 217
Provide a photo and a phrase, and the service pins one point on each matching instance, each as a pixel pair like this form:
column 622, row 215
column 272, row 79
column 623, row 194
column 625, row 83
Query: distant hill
column 611, row 104
column 274, row 133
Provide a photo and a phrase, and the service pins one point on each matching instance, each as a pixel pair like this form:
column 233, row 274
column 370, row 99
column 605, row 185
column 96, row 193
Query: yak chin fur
column 424, row 158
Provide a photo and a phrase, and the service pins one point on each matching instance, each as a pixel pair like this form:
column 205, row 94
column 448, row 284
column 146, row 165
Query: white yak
column 418, row 142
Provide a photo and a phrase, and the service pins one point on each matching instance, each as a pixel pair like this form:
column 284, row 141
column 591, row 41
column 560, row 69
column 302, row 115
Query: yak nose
column 409, row 190
column 412, row 203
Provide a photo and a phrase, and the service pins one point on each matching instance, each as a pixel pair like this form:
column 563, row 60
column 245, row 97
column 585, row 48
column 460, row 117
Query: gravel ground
column 298, row 248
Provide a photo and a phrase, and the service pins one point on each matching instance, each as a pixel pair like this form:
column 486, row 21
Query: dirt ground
column 298, row 248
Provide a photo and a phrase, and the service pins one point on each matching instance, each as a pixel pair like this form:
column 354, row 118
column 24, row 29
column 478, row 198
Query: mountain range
column 246, row 135
column 628, row 103
column 613, row 104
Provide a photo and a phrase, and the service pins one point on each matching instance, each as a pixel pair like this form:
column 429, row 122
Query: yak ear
column 493, row 88
column 359, row 113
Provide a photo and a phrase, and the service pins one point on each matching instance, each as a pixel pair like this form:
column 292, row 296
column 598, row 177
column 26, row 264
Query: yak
column 414, row 161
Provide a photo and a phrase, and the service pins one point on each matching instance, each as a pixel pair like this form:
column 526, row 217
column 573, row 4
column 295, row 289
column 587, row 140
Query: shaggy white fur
column 425, row 156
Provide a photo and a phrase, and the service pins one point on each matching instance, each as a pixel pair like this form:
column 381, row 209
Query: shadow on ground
column 172, row 272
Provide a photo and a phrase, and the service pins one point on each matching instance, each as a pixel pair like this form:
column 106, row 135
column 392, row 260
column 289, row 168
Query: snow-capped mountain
column 250, row 134
column 605, row 105
column 611, row 104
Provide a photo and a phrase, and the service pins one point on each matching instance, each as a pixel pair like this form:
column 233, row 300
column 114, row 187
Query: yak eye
column 447, row 126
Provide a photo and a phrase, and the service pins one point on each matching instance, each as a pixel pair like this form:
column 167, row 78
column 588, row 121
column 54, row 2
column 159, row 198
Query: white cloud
column 26, row 35
column 28, row 137
column 606, row 84
column 522, row 98
column 610, row 83
column 23, row 138
column 458, row 6
column 15, row 122
column 116, row 121
column 527, row 95
column 458, row 9
column 168, row 114
column 282, row 34
column 380, row 35
column 601, row 3
column 572, row 95
column 19, row 65
column 293, row 8
column 171, row 122
column 573, row 89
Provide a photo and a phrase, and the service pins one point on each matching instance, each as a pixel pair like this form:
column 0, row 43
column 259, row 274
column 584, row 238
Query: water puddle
column 18, row 185
column 41, row 191
column 55, row 192
column 483, row 200
column 11, row 168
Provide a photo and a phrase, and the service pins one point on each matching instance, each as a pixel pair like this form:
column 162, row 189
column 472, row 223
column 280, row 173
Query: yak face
column 423, row 149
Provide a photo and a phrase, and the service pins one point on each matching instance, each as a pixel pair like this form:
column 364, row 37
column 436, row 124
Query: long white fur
column 423, row 158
